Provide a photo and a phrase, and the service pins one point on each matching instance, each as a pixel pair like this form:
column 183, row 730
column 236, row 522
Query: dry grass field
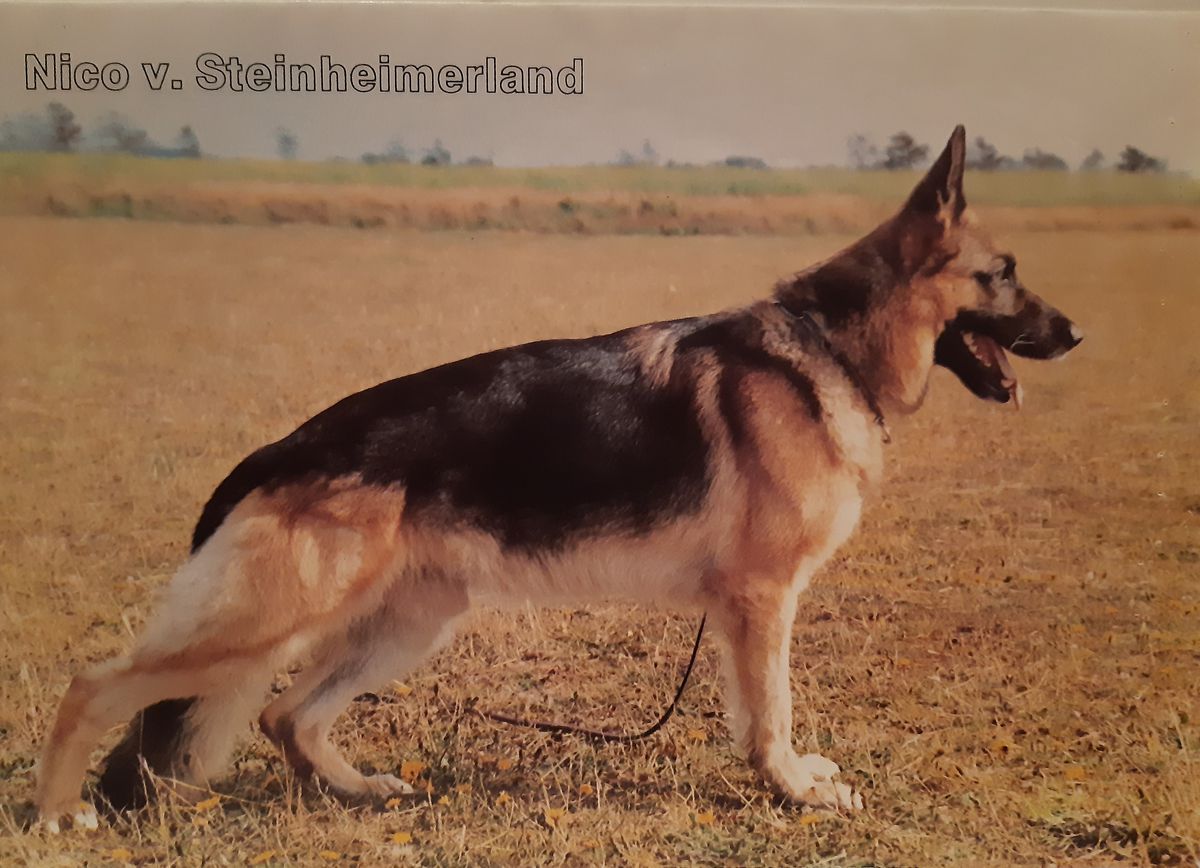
column 1024, row 188
column 692, row 200
column 1004, row 658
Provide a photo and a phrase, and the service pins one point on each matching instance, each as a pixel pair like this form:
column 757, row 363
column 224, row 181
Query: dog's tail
column 186, row 741
column 155, row 742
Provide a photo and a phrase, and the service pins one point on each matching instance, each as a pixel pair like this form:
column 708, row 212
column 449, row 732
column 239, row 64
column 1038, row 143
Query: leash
column 601, row 735
column 852, row 373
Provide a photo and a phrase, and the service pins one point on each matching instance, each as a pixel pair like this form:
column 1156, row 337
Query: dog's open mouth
column 980, row 363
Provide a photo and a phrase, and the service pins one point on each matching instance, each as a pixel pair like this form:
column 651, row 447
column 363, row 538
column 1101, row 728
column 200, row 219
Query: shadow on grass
column 1115, row 837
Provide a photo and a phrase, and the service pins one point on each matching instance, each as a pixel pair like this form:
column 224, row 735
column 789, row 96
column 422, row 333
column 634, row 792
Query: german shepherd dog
column 714, row 462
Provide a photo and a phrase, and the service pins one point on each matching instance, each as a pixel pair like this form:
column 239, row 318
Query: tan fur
column 654, row 350
column 853, row 436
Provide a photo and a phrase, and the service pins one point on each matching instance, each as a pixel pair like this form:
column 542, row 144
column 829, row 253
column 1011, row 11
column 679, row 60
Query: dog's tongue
column 1010, row 376
column 989, row 351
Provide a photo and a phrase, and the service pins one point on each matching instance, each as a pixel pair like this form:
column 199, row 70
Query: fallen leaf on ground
column 410, row 770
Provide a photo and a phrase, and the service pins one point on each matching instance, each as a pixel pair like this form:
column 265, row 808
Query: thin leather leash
column 602, row 735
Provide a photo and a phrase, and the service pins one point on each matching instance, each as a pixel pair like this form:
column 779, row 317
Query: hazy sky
column 785, row 84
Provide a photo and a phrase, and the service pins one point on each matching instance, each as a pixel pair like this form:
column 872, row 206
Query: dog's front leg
column 757, row 623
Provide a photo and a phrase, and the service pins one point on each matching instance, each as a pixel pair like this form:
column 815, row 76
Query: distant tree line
column 436, row 154
column 903, row 152
column 56, row 130
column 648, row 155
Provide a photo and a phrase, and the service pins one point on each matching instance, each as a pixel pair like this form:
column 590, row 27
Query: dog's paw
column 385, row 786
column 810, row 780
column 82, row 817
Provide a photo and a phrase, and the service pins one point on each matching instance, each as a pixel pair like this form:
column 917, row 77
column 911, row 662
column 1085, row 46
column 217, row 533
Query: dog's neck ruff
column 852, row 373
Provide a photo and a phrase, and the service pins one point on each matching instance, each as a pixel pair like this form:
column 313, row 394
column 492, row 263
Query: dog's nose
column 1066, row 332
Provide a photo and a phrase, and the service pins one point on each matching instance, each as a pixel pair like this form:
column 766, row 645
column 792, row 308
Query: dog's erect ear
column 940, row 192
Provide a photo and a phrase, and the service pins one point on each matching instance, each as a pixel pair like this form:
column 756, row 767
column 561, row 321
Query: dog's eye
column 983, row 278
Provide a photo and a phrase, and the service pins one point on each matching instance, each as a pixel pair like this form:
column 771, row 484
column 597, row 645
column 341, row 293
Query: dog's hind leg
column 97, row 700
column 413, row 622
column 756, row 620
column 232, row 614
column 284, row 570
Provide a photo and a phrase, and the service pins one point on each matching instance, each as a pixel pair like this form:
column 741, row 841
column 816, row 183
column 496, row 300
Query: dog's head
column 986, row 310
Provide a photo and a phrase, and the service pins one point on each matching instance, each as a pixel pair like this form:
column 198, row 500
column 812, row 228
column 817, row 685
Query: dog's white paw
column 83, row 817
column 384, row 786
column 810, row 779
